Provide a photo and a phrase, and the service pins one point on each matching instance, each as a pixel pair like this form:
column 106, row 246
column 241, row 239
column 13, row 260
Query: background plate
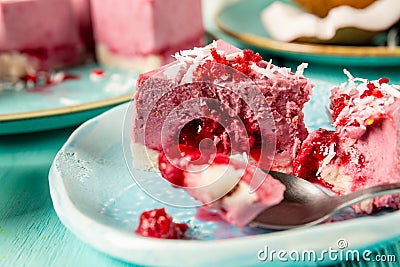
column 97, row 199
column 66, row 104
column 242, row 21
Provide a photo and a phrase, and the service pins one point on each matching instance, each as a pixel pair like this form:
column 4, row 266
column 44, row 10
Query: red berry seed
column 158, row 224
column 383, row 80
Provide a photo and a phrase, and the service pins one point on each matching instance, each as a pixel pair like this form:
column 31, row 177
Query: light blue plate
column 66, row 104
column 97, row 199
column 241, row 21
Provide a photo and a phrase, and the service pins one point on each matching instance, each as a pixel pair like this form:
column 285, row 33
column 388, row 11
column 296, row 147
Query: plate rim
column 36, row 114
column 87, row 229
column 302, row 48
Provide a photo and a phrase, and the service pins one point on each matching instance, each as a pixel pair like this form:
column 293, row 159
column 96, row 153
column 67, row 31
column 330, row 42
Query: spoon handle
column 371, row 192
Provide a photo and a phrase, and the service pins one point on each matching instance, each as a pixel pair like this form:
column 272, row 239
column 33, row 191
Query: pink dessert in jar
column 364, row 150
column 143, row 34
column 37, row 35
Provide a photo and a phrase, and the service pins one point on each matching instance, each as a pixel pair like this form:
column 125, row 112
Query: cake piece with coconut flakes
column 364, row 150
column 221, row 93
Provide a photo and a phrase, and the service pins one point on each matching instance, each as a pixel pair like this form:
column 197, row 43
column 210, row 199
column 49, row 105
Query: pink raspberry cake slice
column 364, row 150
column 142, row 34
column 37, row 35
column 221, row 183
column 170, row 111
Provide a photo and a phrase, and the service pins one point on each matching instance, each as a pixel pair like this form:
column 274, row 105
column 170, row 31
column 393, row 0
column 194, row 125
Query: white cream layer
column 139, row 63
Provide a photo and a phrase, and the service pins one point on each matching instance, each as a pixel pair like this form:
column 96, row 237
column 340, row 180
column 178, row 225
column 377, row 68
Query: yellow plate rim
column 65, row 110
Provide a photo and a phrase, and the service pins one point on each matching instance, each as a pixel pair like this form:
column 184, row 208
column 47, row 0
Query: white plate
column 97, row 199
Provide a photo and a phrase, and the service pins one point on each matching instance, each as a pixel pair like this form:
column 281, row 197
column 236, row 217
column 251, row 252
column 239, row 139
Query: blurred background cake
column 142, row 35
column 37, row 35
column 342, row 22
column 321, row 8
column 134, row 35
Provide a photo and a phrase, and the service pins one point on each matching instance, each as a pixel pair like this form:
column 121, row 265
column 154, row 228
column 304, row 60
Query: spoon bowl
column 307, row 204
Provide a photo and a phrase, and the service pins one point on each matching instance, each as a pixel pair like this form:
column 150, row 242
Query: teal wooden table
column 30, row 231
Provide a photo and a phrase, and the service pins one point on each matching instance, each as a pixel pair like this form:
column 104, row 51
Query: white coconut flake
column 269, row 64
column 300, row 69
column 202, row 102
column 264, row 72
column 348, row 74
column 188, row 77
column 233, row 56
column 285, row 71
column 390, row 90
column 183, row 59
column 195, row 54
column 360, row 80
column 202, row 54
column 187, row 53
column 330, row 154
column 350, row 77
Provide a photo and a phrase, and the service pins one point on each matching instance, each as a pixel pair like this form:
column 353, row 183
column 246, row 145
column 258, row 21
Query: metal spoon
column 307, row 204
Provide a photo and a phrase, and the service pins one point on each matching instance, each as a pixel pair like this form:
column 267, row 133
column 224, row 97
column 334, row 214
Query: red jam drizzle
column 311, row 154
column 190, row 135
column 358, row 182
column 171, row 171
column 194, row 132
column 339, row 104
column 200, row 129
column 158, row 224
column 356, row 159
column 345, row 121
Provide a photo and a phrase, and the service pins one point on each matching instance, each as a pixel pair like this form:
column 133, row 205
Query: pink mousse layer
column 134, row 28
column 159, row 100
column 364, row 150
column 42, row 29
column 236, row 190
